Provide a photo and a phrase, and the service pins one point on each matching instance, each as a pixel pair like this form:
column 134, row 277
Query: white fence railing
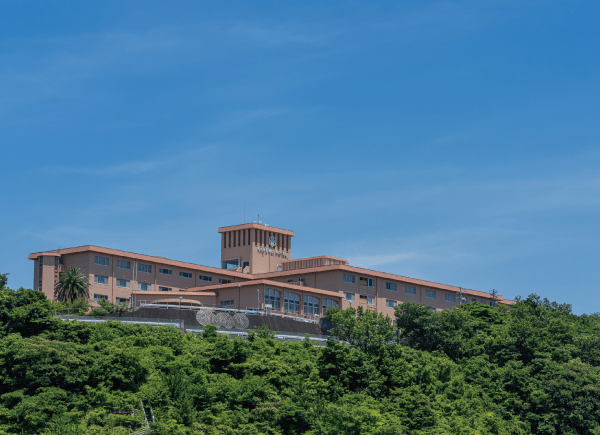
column 248, row 311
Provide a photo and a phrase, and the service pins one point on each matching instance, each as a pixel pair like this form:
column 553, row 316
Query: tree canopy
column 533, row 369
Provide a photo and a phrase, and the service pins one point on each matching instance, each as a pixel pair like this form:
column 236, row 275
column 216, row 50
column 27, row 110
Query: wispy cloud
column 130, row 168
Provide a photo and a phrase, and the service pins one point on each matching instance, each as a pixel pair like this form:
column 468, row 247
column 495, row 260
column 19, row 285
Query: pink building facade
column 257, row 272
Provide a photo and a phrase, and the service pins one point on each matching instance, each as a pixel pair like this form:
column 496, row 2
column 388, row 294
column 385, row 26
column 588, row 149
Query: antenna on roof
column 244, row 212
column 258, row 221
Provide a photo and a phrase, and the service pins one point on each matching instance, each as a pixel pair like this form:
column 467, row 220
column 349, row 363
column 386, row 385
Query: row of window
column 98, row 297
column 147, row 268
column 291, row 302
column 370, row 282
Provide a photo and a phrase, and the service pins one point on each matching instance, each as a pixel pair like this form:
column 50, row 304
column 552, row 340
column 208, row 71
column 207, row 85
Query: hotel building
column 257, row 271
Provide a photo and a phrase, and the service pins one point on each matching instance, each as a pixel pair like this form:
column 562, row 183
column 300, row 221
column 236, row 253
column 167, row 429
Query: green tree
column 365, row 330
column 71, row 285
column 3, row 280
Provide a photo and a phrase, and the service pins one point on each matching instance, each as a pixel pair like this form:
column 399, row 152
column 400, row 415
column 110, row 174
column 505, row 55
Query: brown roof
column 367, row 272
column 141, row 257
column 266, row 282
column 258, row 227
column 313, row 258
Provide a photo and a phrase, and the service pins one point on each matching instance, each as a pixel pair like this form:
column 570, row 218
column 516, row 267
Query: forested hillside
column 472, row 370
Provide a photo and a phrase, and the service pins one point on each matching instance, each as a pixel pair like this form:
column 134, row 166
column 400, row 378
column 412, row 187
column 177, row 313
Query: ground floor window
column 97, row 297
column 328, row 303
column 122, row 300
column 390, row 304
column 291, row 303
column 123, row 283
column 143, row 287
column 226, row 303
column 273, row 299
column 349, row 296
column 164, row 289
column 311, row 306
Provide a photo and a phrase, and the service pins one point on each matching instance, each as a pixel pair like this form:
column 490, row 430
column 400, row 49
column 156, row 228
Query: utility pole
column 494, row 292
column 180, row 298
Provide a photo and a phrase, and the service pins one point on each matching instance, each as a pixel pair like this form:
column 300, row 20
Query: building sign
column 271, row 251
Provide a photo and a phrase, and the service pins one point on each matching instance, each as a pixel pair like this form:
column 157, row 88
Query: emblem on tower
column 272, row 241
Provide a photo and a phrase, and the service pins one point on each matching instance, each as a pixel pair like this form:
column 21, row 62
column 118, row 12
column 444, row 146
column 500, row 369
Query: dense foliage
column 472, row 370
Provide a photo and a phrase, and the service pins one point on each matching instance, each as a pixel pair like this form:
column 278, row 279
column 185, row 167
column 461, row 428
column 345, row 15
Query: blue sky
column 452, row 141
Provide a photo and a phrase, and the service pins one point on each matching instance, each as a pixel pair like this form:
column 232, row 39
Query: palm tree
column 72, row 284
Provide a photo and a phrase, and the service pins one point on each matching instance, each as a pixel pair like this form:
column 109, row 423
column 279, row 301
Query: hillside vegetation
column 472, row 370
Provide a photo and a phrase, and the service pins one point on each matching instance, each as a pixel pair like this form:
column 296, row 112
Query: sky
column 451, row 141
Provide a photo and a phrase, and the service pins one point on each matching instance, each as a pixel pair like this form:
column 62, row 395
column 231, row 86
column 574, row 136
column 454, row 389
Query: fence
column 176, row 323
column 247, row 311
column 234, row 332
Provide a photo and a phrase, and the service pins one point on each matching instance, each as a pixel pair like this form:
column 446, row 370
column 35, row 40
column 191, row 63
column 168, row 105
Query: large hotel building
column 257, row 271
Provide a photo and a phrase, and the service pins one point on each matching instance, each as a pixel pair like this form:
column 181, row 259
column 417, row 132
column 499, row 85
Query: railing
column 176, row 323
column 279, row 335
column 247, row 311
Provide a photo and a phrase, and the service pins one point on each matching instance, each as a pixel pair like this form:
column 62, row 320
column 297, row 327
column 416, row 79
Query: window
column 301, row 280
column 390, row 304
column 185, row 275
column 328, row 303
column 362, row 299
column 143, row 287
column 230, row 264
column 165, row 271
column 101, row 261
column 291, row 303
column 431, row 309
column 224, row 281
column 164, row 289
column 290, row 280
column 369, row 282
column 245, row 264
column 97, row 297
column 226, row 303
column 371, row 300
column 349, row 296
column 410, row 290
column 311, row 306
column 99, row 279
column 450, row 298
column 473, row 300
column 272, row 298
column 349, row 279
column 122, row 264
column 145, row 268
column 492, row 304
column 122, row 300
column 123, row 283
column 390, row 286
column 205, row 278
column 430, row 294
column 61, row 260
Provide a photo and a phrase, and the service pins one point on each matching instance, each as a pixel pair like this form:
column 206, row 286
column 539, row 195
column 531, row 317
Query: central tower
column 254, row 248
